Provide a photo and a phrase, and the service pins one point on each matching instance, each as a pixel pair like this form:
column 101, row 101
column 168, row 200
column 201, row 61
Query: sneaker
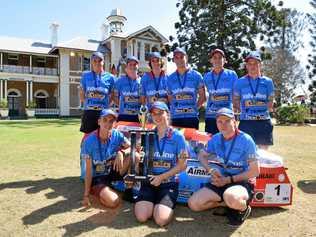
column 236, row 218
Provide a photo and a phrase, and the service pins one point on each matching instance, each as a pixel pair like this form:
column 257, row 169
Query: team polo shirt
column 243, row 151
column 167, row 151
column 254, row 97
column 102, row 155
column 184, row 91
column 128, row 91
column 97, row 89
column 154, row 88
column 220, row 91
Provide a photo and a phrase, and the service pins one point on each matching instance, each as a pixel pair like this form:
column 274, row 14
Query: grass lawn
column 40, row 191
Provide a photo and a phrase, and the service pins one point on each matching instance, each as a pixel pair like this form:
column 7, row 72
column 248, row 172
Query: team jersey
column 97, row 89
column 233, row 155
column 128, row 91
column 168, row 150
column 220, row 91
column 254, row 97
column 184, row 91
column 102, row 155
column 154, row 88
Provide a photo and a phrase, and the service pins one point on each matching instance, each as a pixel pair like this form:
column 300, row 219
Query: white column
column 142, row 52
column 64, row 102
column 1, row 89
column 135, row 48
column 31, row 69
column 27, row 93
column 31, row 91
column 5, row 89
column 1, row 61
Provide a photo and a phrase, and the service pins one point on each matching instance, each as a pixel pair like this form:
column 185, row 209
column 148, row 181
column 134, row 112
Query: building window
column 86, row 64
column 41, row 61
column 13, row 59
column 41, row 97
column 147, row 51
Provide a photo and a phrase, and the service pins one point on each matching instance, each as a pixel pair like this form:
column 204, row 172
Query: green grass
column 40, row 191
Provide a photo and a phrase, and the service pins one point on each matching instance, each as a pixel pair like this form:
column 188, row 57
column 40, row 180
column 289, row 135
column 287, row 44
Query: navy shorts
column 128, row 118
column 210, row 126
column 220, row 190
column 99, row 182
column 89, row 121
column 261, row 131
column 186, row 122
column 165, row 194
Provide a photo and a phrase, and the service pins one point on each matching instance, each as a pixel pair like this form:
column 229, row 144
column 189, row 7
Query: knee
column 193, row 204
column 141, row 217
column 232, row 201
column 161, row 221
column 112, row 201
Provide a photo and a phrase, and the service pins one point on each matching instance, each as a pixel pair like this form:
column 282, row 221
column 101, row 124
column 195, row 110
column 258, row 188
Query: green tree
column 229, row 24
column 312, row 29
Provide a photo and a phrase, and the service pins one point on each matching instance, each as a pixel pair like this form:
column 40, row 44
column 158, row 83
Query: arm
column 82, row 95
column 252, row 172
column 87, row 182
column 203, row 158
column 236, row 103
column 202, row 97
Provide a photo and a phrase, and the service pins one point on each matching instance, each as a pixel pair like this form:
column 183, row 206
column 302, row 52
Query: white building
column 49, row 73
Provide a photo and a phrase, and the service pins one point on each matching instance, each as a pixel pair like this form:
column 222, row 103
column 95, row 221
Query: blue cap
column 253, row 55
column 132, row 58
column 96, row 55
column 106, row 112
column 159, row 105
column 225, row 112
column 179, row 50
column 155, row 55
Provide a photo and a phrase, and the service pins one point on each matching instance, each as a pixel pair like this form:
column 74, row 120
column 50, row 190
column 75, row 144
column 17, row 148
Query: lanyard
column 184, row 79
column 215, row 84
column 254, row 92
column 102, row 155
column 95, row 79
column 155, row 81
column 161, row 149
column 130, row 82
column 226, row 156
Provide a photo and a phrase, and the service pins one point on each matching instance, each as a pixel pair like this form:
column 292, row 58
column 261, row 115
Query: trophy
column 143, row 172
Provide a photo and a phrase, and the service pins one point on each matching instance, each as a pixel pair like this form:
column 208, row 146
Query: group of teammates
column 184, row 93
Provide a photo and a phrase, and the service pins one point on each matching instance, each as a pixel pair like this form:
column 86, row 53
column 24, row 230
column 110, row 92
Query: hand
column 118, row 162
column 220, row 181
column 156, row 180
column 86, row 201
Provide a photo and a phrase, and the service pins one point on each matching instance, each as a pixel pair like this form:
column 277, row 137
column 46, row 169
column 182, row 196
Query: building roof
column 24, row 45
column 148, row 28
column 80, row 43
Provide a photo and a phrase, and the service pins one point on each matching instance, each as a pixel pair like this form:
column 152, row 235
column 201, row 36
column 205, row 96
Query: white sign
column 277, row 193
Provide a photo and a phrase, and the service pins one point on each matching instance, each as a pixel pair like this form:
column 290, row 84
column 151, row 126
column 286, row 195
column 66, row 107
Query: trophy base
column 131, row 178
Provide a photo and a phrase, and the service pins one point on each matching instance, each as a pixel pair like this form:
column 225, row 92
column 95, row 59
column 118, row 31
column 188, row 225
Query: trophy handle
column 143, row 115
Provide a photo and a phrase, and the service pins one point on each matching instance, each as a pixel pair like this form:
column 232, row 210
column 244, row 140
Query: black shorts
column 89, row 121
column 210, row 126
column 128, row 118
column 99, row 182
column 261, row 131
column 220, row 190
column 186, row 122
column 165, row 194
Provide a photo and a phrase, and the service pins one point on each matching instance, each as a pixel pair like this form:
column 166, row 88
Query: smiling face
column 217, row 60
column 106, row 122
column 155, row 64
column 225, row 125
column 180, row 60
column 253, row 67
column 97, row 65
column 132, row 69
column 160, row 117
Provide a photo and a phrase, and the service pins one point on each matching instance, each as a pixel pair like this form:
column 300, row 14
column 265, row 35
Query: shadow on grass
column 307, row 186
column 185, row 223
column 27, row 124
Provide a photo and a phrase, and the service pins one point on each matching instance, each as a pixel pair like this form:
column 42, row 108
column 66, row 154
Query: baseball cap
column 132, row 58
column 159, row 105
column 253, row 55
column 179, row 50
column 225, row 112
column 96, row 55
column 214, row 51
column 106, row 112
column 155, row 55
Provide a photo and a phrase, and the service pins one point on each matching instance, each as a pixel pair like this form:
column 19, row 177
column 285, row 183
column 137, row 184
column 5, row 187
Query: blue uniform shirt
column 184, row 91
column 154, row 88
column 170, row 148
column 128, row 91
column 220, row 91
column 97, row 89
column 254, row 99
column 244, row 150
column 102, row 155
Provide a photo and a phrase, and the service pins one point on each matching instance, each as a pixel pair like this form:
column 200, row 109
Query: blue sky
column 31, row 18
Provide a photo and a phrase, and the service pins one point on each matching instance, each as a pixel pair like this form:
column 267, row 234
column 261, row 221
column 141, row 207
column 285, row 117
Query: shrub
column 3, row 104
column 292, row 114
